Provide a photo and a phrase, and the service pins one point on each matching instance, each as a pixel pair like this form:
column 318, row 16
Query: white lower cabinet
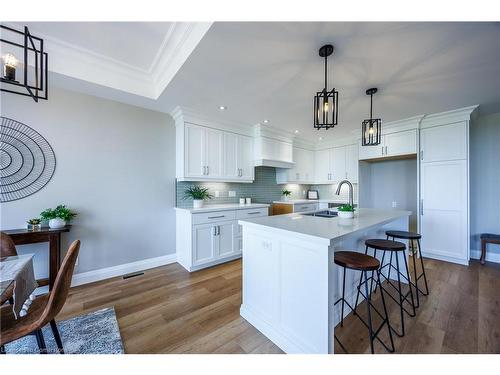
column 207, row 239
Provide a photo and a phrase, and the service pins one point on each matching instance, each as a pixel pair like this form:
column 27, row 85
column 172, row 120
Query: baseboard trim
column 122, row 269
column 444, row 258
column 490, row 256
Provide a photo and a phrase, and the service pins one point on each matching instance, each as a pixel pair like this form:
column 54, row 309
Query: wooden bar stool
column 364, row 263
column 412, row 238
column 394, row 248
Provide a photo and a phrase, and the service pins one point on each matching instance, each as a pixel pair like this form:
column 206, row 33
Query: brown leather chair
column 43, row 310
column 7, row 247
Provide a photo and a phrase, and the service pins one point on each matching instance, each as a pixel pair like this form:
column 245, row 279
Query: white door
column 371, row 152
column 194, row 151
column 447, row 142
column 204, row 243
column 444, row 210
column 245, row 152
column 401, row 143
column 338, row 164
column 231, row 153
column 322, row 165
column 351, row 162
column 225, row 235
column 213, row 153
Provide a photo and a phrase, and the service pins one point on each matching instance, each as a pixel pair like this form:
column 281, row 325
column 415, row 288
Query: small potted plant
column 346, row 211
column 57, row 217
column 34, row 224
column 286, row 194
column 198, row 194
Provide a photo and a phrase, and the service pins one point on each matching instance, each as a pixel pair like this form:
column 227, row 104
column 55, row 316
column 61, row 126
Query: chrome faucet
column 351, row 202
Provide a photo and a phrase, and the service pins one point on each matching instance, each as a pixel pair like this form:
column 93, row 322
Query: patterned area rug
column 94, row 333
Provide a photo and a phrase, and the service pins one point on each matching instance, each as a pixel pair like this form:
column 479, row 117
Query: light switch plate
column 232, row 193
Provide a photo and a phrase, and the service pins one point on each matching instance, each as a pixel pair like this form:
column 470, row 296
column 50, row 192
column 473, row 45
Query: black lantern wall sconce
column 326, row 105
column 372, row 128
column 24, row 63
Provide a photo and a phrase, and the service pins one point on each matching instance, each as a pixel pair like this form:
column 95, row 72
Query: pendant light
column 372, row 128
column 326, row 101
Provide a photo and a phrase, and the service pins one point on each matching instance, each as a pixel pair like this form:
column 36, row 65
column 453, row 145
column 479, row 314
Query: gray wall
column 115, row 167
column 484, row 177
column 384, row 182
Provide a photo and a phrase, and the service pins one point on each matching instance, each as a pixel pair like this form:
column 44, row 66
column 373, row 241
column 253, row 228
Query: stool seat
column 356, row 261
column 380, row 244
column 403, row 234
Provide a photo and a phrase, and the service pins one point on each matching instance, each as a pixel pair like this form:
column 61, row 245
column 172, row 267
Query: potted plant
column 346, row 211
column 198, row 194
column 286, row 194
column 34, row 224
column 58, row 217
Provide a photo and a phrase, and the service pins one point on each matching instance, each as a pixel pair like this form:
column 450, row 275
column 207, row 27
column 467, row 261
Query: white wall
column 115, row 167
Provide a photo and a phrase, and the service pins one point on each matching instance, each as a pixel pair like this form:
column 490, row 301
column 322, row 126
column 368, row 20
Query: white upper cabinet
column 339, row 163
column 231, row 167
column 323, row 166
column 392, row 145
column 351, row 163
column 194, row 157
column 245, row 158
column 213, row 153
column 302, row 172
column 447, row 142
column 238, row 151
column 336, row 164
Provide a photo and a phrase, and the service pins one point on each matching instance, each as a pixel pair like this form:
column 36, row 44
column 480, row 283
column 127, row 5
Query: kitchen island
column 290, row 282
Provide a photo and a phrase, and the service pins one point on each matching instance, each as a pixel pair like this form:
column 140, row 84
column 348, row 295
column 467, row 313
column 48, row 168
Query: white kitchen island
column 290, row 282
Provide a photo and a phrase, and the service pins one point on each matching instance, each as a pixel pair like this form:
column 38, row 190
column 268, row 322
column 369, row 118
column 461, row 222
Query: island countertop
column 327, row 228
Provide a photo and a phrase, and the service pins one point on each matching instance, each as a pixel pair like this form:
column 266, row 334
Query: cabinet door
column 284, row 151
column 245, row 152
column 213, row 153
column 351, row 162
column 297, row 172
column 338, row 164
column 194, row 151
column 308, row 166
column 204, row 243
column 401, row 143
column 447, row 142
column 225, row 235
column 322, row 165
column 371, row 152
column 231, row 151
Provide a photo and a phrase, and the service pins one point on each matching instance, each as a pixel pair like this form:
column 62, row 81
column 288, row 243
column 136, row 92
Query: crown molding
column 455, row 115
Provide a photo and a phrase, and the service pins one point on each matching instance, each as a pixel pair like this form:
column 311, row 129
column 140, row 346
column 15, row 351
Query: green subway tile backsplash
column 263, row 190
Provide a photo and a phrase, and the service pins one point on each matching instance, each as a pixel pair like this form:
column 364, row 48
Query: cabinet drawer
column 303, row 207
column 211, row 217
column 252, row 212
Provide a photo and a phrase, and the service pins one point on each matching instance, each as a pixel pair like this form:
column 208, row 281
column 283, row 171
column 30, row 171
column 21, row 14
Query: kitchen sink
column 325, row 213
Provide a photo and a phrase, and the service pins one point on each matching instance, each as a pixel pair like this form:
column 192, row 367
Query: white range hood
column 272, row 149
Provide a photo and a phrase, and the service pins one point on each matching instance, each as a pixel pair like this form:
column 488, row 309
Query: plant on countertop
column 60, row 212
column 197, row 193
column 346, row 208
column 286, row 193
column 34, row 221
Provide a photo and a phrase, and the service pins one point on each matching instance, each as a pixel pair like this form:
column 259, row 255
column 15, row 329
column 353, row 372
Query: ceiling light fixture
column 326, row 102
column 32, row 80
column 372, row 128
column 222, row 107
column 296, row 132
column 265, row 121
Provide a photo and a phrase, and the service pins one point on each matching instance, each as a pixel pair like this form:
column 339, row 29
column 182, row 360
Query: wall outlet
column 217, row 194
column 394, row 204
column 232, row 193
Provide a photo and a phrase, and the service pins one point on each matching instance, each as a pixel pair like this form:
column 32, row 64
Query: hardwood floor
column 168, row 310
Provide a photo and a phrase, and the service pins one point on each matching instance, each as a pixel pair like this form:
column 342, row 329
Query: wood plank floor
column 169, row 310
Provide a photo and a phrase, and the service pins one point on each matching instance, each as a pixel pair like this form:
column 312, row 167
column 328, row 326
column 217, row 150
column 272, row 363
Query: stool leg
column 409, row 286
column 57, row 336
column 423, row 268
column 343, row 296
column 40, row 341
column 414, row 255
column 371, row 281
column 400, row 296
column 385, row 312
column 381, row 266
column 368, row 307
column 359, row 287
column 390, row 266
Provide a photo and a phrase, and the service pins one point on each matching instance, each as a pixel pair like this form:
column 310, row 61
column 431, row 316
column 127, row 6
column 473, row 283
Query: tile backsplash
column 263, row 190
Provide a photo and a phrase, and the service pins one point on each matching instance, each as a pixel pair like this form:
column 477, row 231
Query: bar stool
column 412, row 237
column 364, row 263
column 393, row 247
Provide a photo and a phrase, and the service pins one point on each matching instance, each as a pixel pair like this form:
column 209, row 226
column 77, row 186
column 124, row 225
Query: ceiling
column 272, row 70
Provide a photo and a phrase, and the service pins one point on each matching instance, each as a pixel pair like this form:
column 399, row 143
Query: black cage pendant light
column 326, row 105
column 372, row 128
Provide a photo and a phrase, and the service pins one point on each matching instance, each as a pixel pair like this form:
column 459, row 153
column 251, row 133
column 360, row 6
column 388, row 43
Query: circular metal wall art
column 27, row 161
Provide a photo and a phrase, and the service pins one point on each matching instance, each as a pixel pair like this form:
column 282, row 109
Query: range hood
column 272, row 149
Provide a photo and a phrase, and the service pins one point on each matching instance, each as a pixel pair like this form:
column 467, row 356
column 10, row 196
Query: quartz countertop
column 223, row 207
column 327, row 228
column 300, row 201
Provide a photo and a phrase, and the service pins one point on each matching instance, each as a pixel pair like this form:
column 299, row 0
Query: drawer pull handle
column 253, row 213
column 216, row 217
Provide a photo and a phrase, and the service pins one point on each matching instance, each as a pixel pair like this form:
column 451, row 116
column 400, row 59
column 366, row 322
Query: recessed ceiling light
column 320, row 138
column 222, row 107
column 296, row 132
column 266, row 121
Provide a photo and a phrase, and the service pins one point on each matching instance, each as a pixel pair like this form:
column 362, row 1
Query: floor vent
column 132, row 275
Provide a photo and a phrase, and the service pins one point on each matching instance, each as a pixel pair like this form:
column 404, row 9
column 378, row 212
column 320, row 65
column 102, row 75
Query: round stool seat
column 356, row 261
column 389, row 245
column 403, row 234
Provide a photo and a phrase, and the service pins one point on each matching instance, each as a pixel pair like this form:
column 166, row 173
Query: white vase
column 346, row 214
column 56, row 223
column 285, row 198
column 197, row 203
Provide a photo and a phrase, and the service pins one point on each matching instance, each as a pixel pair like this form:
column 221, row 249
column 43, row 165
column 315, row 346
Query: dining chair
column 43, row 310
column 7, row 247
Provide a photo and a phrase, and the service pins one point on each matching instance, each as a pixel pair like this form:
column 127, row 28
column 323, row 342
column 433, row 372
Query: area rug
column 94, row 333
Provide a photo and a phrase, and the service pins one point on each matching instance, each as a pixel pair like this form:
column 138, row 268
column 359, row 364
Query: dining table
column 17, row 282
